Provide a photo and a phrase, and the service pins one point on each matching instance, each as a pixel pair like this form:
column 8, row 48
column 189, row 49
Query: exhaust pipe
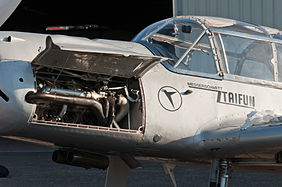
column 96, row 106
column 80, row 159
column 83, row 94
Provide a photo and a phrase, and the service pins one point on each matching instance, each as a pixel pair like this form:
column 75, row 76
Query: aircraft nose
column 16, row 79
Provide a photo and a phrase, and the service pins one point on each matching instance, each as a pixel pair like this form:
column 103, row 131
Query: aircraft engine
column 86, row 99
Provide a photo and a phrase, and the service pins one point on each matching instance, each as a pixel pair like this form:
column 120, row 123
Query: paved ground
column 31, row 165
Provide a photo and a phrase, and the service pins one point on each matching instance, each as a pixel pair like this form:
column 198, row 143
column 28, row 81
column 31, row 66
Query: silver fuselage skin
column 210, row 117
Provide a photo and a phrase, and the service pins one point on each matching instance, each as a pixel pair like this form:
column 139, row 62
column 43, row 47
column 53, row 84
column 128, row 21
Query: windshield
column 184, row 42
column 171, row 38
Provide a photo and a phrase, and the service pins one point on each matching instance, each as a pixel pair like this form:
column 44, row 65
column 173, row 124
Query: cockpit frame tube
column 213, row 44
column 206, row 31
column 189, row 49
column 224, row 53
column 211, row 37
column 216, row 52
column 274, row 61
column 246, row 36
column 157, row 30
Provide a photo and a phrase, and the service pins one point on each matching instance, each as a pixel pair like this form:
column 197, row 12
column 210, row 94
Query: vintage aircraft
column 186, row 89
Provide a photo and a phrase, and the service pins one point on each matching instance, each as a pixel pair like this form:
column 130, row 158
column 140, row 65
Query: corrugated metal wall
column 263, row 12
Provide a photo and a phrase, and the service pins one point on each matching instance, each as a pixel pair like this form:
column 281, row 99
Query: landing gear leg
column 220, row 173
column 117, row 173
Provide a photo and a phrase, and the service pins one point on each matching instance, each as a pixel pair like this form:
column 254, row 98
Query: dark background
column 115, row 19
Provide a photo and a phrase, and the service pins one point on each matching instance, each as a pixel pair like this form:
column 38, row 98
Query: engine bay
column 69, row 96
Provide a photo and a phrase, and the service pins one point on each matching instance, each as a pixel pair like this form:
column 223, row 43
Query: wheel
column 4, row 172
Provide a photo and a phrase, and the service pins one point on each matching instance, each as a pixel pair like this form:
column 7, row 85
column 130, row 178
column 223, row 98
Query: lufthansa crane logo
column 170, row 98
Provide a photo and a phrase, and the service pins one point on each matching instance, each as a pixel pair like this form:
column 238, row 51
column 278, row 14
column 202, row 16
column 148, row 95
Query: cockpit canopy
column 210, row 46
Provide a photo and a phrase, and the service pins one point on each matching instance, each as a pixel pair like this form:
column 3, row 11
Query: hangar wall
column 262, row 12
